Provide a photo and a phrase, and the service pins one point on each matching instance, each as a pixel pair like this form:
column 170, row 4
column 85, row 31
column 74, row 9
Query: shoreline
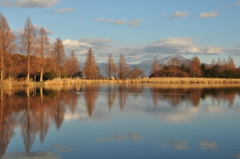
column 161, row 80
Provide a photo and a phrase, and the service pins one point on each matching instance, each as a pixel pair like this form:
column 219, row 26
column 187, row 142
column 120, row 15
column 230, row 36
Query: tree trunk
column 41, row 75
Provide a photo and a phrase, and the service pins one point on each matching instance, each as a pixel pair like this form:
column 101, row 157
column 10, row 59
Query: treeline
column 194, row 68
column 35, row 56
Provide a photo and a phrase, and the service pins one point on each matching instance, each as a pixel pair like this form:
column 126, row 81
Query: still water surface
column 120, row 121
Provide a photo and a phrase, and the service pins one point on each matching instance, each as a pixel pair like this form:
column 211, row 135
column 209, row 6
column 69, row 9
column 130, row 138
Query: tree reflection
column 111, row 95
column 34, row 109
column 122, row 95
column 7, row 120
column 90, row 96
column 176, row 96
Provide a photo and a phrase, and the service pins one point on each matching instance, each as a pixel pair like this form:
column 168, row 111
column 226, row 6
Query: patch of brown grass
column 68, row 81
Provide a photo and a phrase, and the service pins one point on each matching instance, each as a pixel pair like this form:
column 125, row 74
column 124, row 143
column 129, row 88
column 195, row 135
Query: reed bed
column 68, row 81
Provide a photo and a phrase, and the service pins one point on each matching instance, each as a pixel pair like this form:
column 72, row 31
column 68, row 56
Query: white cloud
column 61, row 10
column 180, row 45
column 81, row 46
column 209, row 14
column 29, row 3
column 238, row 3
column 179, row 14
column 163, row 14
column 134, row 22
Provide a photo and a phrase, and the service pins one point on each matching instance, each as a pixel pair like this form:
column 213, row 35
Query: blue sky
column 140, row 30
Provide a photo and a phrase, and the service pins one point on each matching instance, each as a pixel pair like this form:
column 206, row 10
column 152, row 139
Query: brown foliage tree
column 195, row 69
column 155, row 66
column 230, row 63
column 58, row 55
column 122, row 67
column 15, row 65
column 90, row 68
column 174, row 62
column 6, row 44
column 42, row 50
column 28, row 44
column 111, row 68
column 135, row 73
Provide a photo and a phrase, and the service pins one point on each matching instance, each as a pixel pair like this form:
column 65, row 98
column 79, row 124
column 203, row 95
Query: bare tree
column 42, row 50
column 195, row 69
column 122, row 67
column 155, row 66
column 111, row 68
column 72, row 65
column 90, row 68
column 230, row 63
column 219, row 62
column 58, row 55
column 213, row 63
column 6, row 43
column 28, row 44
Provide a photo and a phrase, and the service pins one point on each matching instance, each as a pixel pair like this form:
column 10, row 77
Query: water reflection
column 176, row 96
column 34, row 109
column 90, row 95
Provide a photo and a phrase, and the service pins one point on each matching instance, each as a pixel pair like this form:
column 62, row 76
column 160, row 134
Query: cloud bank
column 209, row 14
column 29, row 3
column 102, row 47
column 133, row 23
column 180, row 45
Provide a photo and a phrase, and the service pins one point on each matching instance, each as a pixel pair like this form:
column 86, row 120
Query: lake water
column 120, row 121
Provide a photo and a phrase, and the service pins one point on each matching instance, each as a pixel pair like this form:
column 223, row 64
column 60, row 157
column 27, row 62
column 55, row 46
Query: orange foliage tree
column 58, row 55
column 28, row 44
column 42, row 51
column 90, row 69
column 6, row 44
column 72, row 65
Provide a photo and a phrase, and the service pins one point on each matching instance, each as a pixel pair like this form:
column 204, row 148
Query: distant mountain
column 147, row 65
column 146, row 62
column 144, row 65
column 166, row 60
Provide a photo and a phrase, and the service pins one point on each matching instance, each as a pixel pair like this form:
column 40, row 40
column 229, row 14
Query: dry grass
column 178, row 81
column 67, row 81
